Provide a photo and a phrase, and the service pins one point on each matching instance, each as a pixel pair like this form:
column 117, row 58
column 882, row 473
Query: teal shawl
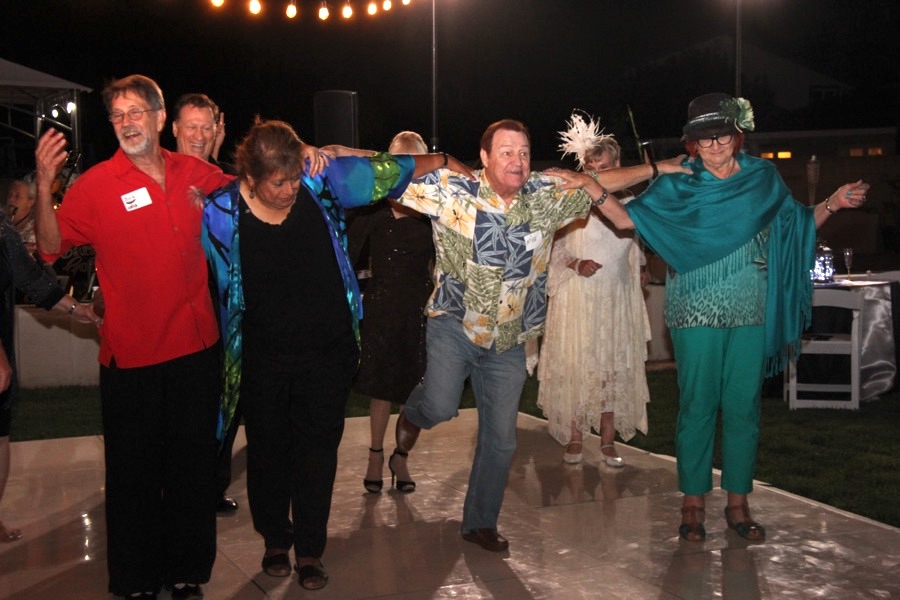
column 694, row 220
column 345, row 183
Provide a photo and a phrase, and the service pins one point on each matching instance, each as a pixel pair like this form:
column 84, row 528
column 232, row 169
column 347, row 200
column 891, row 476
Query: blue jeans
column 497, row 381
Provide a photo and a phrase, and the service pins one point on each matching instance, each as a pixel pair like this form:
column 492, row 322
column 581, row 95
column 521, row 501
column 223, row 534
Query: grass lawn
column 847, row 459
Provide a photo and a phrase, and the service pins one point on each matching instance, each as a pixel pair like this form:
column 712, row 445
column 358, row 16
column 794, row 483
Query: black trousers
column 159, row 427
column 294, row 419
column 223, row 462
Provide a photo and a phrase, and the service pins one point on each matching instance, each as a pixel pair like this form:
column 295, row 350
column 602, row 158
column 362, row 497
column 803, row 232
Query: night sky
column 533, row 60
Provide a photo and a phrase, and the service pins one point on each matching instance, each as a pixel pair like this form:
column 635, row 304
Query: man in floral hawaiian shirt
column 492, row 239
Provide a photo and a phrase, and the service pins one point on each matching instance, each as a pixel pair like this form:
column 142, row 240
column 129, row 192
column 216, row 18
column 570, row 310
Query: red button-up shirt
column 150, row 263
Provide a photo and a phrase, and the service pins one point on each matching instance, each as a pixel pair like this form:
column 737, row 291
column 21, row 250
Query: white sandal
column 613, row 461
column 572, row 458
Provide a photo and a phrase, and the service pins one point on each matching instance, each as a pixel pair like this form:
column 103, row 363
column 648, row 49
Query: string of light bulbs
column 292, row 11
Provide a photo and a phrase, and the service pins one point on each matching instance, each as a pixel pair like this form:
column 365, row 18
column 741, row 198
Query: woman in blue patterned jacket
column 289, row 309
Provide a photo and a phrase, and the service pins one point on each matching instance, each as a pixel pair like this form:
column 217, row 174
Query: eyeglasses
column 134, row 114
column 723, row 140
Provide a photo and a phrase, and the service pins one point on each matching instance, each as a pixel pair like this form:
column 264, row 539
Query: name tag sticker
column 137, row 199
column 533, row 240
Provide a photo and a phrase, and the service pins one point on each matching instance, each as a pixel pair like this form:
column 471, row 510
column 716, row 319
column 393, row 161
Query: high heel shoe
column 373, row 486
column 403, row 486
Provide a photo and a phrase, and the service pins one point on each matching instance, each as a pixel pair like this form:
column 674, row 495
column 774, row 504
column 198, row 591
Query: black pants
column 159, row 427
column 223, row 462
column 294, row 419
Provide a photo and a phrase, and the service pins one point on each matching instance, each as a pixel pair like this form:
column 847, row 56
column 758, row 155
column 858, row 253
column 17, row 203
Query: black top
column 293, row 291
column 19, row 271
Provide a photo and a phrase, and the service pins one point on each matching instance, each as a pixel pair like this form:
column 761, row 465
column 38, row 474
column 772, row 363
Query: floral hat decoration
column 580, row 136
column 717, row 114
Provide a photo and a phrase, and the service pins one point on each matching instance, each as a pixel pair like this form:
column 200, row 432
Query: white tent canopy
column 29, row 99
column 22, row 85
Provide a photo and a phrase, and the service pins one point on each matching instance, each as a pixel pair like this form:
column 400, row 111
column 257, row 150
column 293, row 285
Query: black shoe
column 312, row 577
column 373, row 486
column 277, row 565
column 404, row 486
column 488, row 539
column 226, row 504
column 187, row 590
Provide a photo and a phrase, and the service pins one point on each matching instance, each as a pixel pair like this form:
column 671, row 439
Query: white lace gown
column 595, row 342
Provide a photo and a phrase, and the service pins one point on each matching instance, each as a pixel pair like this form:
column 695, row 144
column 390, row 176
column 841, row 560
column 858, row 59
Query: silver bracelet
column 599, row 201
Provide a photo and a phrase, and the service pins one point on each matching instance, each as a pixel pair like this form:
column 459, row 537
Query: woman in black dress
column 393, row 327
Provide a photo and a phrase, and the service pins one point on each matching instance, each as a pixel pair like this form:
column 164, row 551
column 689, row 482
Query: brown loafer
column 488, row 539
column 406, row 433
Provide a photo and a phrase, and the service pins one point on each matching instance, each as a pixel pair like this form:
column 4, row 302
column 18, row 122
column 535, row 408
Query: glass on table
column 848, row 259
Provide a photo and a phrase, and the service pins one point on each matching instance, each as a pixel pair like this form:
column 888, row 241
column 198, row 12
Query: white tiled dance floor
column 585, row 531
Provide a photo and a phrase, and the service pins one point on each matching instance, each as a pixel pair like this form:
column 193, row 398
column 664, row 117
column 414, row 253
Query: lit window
column 856, row 152
column 784, row 154
column 769, row 155
column 875, row 152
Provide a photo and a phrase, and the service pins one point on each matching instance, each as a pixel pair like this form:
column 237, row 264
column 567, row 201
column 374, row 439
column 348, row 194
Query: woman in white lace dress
column 591, row 367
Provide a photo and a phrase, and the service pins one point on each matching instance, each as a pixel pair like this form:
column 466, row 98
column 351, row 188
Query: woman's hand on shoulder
column 570, row 180
column 673, row 165
column 313, row 159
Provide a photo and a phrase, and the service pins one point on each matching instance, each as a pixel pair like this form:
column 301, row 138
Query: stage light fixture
column 255, row 7
column 217, row 3
column 323, row 11
column 406, row 2
column 70, row 107
column 291, row 9
column 372, row 8
column 347, row 11
column 387, row 5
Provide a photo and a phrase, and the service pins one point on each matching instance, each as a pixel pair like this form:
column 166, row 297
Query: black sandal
column 691, row 528
column 277, row 565
column 404, row 486
column 747, row 528
column 309, row 574
column 373, row 486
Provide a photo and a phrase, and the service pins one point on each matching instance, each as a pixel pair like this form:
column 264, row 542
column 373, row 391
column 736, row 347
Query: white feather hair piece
column 581, row 136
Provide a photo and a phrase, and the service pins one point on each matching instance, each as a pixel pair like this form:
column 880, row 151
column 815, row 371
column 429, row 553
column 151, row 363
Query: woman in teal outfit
column 738, row 293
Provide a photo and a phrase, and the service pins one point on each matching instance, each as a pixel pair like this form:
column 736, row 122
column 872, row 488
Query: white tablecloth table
column 878, row 364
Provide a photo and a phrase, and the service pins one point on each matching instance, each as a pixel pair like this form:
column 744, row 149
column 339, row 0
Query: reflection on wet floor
column 575, row 531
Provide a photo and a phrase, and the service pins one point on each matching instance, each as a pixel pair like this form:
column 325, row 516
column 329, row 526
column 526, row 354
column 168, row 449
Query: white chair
column 828, row 343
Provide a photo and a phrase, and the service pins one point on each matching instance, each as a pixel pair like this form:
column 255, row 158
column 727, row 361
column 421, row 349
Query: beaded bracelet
column 599, row 201
column 827, row 200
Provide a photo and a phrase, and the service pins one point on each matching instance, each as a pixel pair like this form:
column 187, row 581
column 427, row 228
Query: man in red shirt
column 159, row 356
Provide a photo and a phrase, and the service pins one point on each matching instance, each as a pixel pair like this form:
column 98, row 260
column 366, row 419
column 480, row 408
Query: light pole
column 434, row 77
column 737, row 50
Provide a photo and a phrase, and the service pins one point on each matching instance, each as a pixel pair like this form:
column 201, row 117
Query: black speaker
column 336, row 114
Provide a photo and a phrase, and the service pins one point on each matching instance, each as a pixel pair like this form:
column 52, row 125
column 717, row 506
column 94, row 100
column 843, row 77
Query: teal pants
column 718, row 369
